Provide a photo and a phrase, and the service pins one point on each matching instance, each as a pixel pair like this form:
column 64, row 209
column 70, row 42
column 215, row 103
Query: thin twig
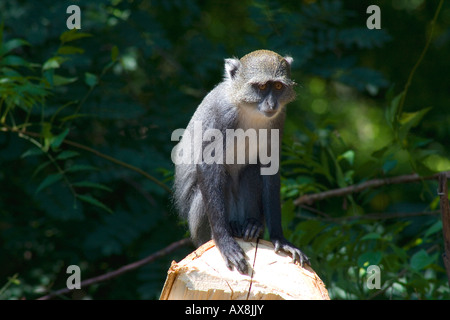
column 375, row 183
column 419, row 61
column 126, row 268
column 119, row 162
column 91, row 150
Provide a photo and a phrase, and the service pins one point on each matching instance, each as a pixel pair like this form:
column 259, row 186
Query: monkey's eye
column 262, row 86
column 278, row 85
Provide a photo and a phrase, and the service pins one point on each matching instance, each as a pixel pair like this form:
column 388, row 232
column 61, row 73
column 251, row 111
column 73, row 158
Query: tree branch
column 375, row 183
column 126, row 268
column 374, row 216
column 23, row 133
column 445, row 211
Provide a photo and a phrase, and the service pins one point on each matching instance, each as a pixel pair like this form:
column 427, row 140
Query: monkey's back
column 215, row 112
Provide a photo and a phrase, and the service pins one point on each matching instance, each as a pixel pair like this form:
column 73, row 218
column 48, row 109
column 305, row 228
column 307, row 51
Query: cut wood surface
column 203, row 275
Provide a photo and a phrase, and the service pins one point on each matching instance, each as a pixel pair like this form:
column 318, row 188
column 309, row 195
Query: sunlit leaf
column 114, row 53
column 70, row 50
column 54, row 63
column 72, row 35
column 409, row 120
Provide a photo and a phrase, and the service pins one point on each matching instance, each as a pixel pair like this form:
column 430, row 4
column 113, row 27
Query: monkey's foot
column 233, row 255
column 286, row 246
column 253, row 229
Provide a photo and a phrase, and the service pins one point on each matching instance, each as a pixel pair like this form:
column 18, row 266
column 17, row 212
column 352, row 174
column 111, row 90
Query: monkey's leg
column 272, row 213
column 236, row 229
column 213, row 181
column 250, row 189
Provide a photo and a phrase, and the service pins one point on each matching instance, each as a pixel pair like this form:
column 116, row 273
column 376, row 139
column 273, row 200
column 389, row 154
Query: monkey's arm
column 212, row 181
column 272, row 213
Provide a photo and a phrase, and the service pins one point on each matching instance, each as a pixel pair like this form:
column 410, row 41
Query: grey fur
column 224, row 200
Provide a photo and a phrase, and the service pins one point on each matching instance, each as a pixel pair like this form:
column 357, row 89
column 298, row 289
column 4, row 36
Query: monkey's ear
column 289, row 60
column 231, row 68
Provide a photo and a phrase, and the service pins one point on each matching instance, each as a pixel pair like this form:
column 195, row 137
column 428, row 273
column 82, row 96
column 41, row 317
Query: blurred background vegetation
column 82, row 112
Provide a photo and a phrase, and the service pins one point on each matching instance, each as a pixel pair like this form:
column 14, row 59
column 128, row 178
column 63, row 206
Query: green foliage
column 86, row 118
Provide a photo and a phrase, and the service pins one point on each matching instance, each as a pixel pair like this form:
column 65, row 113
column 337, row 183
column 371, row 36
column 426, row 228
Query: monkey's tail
column 185, row 186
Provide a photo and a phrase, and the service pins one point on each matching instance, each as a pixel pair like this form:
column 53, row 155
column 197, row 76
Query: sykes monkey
column 222, row 200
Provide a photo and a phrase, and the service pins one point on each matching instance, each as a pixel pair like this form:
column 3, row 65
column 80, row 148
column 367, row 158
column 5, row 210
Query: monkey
column 227, row 200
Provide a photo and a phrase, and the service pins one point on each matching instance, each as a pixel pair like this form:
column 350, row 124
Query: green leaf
column 348, row 155
column 13, row 60
column 46, row 133
column 409, row 120
column 369, row 258
column 413, row 118
column 378, row 154
column 114, row 53
column 34, row 151
column 371, row 236
column 88, row 184
column 388, row 165
column 95, row 202
column 420, row 260
column 74, row 116
column 57, row 140
column 61, row 81
column 90, row 79
column 436, row 227
column 49, row 180
column 80, row 167
column 287, row 212
column 41, row 167
column 391, row 111
column 72, row 35
column 70, row 50
column 309, row 230
column 54, row 63
column 66, row 155
column 12, row 44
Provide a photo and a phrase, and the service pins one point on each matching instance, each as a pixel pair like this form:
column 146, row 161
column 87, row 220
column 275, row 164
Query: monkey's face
column 261, row 82
column 266, row 97
column 270, row 97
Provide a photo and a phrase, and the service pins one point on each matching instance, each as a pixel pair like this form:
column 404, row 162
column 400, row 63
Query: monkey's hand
column 286, row 246
column 233, row 255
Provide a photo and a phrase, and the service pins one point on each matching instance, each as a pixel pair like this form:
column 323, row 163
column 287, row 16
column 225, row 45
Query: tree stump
column 203, row 275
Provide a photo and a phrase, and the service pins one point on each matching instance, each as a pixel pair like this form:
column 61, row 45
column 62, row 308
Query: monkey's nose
column 273, row 106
